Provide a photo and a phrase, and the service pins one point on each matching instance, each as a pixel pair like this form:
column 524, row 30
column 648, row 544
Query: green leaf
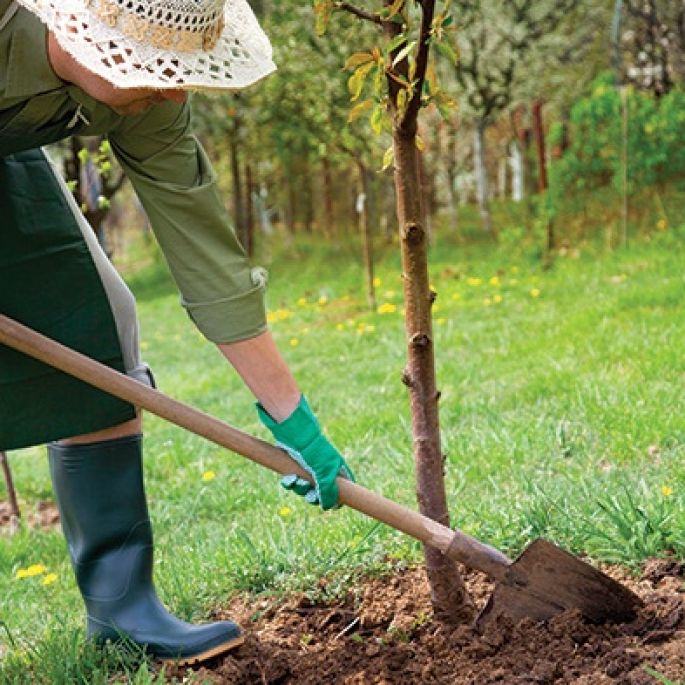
column 396, row 42
column 447, row 51
column 402, row 54
column 376, row 119
column 83, row 155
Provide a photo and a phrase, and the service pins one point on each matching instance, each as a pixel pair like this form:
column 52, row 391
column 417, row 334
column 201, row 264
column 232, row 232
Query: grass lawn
column 562, row 415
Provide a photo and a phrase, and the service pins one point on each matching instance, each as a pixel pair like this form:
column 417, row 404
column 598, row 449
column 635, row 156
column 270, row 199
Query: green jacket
column 166, row 164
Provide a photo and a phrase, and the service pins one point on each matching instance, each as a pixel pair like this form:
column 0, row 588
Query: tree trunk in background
column 539, row 133
column 517, row 172
column 290, row 218
column 307, row 196
column 363, row 202
column 502, row 178
column 451, row 171
column 329, row 212
column 540, row 145
column 238, row 215
column 249, row 211
column 480, row 169
column 15, row 513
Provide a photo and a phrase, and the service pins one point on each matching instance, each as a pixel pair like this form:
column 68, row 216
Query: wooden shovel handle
column 456, row 544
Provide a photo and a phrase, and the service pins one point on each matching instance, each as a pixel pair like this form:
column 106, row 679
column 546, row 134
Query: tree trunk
column 329, row 213
column 15, row 513
column 451, row 171
column 481, row 172
column 307, row 196
column 517, row 172
column 450, row 599
column 238, row 215
column 502, row 177
column 365, row 231
column 542, row 168
column 451, row 602
column 249, row 211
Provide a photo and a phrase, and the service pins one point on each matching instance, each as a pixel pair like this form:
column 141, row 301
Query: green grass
column 561, row 414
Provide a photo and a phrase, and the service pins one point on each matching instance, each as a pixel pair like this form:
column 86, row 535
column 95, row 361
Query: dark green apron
column 49, row 282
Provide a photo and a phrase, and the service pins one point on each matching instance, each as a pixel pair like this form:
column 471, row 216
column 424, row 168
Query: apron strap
column 11, row 11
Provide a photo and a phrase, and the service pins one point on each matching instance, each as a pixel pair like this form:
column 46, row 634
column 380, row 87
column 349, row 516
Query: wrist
column 298, row 430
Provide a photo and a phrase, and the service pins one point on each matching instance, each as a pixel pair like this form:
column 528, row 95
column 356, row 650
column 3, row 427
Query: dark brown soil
column 384, row 633
column 40, row 515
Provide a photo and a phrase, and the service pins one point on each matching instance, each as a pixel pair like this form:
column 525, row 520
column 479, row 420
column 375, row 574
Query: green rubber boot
column 101, row 499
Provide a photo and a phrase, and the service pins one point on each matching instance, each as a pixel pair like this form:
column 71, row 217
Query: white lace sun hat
column 184, row 44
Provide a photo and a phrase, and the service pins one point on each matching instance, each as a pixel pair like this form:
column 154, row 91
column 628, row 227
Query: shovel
column 542, row 582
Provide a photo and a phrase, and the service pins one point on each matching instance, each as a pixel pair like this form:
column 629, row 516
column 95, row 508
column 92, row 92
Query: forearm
column 264, row 371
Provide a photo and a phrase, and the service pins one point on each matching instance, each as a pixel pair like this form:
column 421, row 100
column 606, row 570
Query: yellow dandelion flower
column 208, row 475
column 495, row 281
column 535, row 292
column 339, row 327
column 33, row 570
column 474, row 282
column 285, row 511
column 666, row 491
column 387, row 308
column 497, row 299
column 323, row 300
column 377, row 282
column 456, row 296
column 49, row 579
column 302, row 302
column 294, row 342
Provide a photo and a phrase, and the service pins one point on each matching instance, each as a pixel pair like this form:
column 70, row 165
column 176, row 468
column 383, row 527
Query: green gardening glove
column 300, row 435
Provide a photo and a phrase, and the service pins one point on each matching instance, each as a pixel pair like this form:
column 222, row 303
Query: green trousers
column 49, row 282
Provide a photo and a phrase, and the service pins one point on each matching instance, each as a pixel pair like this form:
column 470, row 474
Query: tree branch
column 428, row 11
column 358, row 12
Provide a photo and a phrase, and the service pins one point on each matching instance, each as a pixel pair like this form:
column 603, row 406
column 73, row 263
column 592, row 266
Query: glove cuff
column 298, row 431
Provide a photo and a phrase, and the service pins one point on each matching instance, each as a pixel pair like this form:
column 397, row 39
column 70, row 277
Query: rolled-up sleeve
column 176, row 185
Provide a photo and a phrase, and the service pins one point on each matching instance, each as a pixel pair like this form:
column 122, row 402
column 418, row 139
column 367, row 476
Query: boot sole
column 203, row 656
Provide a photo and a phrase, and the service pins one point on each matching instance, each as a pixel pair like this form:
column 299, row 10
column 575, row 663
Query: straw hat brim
column 240, row 56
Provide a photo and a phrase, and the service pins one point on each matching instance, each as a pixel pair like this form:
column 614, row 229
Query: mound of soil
column 42, row 515
column 384, row 633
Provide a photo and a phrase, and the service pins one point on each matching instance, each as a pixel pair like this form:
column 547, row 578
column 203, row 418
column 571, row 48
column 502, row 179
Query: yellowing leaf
column 355, row 83
column 388, row 158
column 359, row 109
column 357, row 58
